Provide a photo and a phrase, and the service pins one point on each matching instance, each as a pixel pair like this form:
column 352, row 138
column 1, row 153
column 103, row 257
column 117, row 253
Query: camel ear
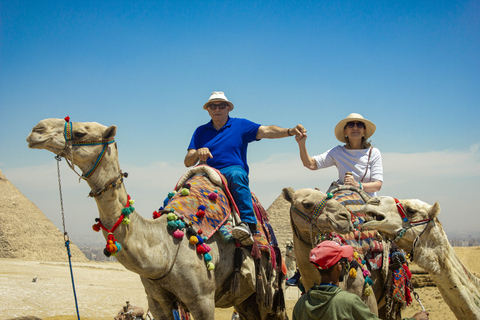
column 288, row 194
column 317, row 189
column 110, row 132
column 434, row 210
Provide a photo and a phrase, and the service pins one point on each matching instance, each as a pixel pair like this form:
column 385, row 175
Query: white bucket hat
column 369, row 126
column 217, row 96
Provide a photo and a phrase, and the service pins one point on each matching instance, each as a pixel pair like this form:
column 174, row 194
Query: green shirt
column 333, row 303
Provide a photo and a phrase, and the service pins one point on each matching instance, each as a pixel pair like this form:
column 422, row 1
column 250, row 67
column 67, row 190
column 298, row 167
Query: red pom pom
column 212, row 196
column 200, row 231
column 201, row 214
column 67, row 118
column 156, row 214
column 200, row 249
column 96, row 227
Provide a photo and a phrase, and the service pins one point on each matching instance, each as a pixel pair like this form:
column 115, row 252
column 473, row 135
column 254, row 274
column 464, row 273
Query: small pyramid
column 279, row 216
column 26, row 233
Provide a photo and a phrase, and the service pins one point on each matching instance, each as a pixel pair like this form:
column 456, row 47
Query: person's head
column 330, row 258
column 355, row 126
column 218, row 106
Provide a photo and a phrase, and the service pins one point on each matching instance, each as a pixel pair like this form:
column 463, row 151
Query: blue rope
column 67, row 244
column 65, row 234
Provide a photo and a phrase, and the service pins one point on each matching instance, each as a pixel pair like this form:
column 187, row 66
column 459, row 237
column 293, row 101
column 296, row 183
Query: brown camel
column 333, row 218
column 170, row 268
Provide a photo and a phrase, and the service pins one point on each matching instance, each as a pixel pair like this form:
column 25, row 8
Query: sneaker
column 243, row 234
column 293, row 281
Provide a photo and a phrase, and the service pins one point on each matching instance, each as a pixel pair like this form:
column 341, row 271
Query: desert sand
column 103, row 288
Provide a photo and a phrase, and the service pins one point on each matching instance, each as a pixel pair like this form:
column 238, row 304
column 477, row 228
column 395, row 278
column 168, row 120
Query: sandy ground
column 103, row 288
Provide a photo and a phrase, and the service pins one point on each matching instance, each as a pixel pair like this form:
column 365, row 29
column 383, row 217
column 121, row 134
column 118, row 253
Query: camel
column 290, row 259
column 414, row 226
column 169, row 267
column 334, row 218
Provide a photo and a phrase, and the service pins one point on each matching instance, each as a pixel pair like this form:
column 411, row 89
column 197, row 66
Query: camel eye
column 79, row 135
column 307, row 206
column 411, row 211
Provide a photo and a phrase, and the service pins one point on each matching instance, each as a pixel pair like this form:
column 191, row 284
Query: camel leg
column 160, row 311
column 248, row 309
column 160, row 305
column 203, row 308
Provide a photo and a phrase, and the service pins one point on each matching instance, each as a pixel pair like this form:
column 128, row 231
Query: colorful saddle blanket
column 368, row 243
column 201, row 189
column 217, row 208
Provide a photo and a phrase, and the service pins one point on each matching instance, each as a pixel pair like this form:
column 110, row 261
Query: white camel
column 290, row 262
column 333, row 217
column 414, row 226
column 170, row 269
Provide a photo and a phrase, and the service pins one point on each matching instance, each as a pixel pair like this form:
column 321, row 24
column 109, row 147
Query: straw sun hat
column 369, row 126
column 217, row 96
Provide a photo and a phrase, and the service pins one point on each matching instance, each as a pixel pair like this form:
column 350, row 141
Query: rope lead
column 65, row 235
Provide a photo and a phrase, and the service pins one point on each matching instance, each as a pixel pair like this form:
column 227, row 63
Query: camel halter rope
column 65, row 235
column 317, row 211
column 407, row 224
column 68, row 133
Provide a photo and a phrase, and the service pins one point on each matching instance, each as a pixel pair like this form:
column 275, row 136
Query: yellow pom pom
column 193, row 240
column 185, row 192
column 353, row 273
column 131, row 201
column 210, row 266
column 368, row 291
column 355, row 255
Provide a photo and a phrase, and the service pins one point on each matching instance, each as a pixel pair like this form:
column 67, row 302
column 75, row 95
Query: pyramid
column 26, row 233
column 279, row 217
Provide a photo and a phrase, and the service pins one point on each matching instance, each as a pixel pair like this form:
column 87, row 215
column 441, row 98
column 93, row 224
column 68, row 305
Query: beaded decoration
column 113, row 246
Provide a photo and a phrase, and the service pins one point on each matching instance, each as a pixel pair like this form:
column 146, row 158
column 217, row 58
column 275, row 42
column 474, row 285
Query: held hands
column 299, row 132
column 203, row 155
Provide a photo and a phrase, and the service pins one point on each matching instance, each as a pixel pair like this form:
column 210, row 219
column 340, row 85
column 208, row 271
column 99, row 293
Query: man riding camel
column 222, row 144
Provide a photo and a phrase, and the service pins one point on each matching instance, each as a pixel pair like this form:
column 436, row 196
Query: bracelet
column 360, row 185
column 288, row 131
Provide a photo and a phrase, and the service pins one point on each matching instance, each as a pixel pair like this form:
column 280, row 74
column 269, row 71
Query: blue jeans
column 238, row 181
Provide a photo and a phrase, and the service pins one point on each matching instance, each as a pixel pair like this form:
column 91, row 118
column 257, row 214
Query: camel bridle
column 317, row 211
column 407, row 224
column 71, row 142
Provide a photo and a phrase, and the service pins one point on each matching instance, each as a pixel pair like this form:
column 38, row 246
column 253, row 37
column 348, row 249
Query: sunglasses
column 220, row 106
column 359, row 124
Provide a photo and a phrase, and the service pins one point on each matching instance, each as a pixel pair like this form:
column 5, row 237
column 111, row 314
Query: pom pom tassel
column 353, row 273
column 237, row 264
column 368, row 290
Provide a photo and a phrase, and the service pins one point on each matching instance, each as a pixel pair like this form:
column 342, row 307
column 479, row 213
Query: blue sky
column 411, row 67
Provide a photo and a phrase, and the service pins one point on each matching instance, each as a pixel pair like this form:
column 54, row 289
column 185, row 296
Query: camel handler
column 222, row 144
column 326, row 300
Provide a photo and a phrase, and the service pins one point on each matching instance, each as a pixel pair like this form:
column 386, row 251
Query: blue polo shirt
column 228, row 145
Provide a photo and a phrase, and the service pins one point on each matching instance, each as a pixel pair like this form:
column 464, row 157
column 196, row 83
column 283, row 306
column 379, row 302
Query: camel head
column 333, row 218
column 383, row 215
column 79, row 142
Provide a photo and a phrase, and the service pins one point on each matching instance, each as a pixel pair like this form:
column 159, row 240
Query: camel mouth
column 373, row 218
column 36, row 144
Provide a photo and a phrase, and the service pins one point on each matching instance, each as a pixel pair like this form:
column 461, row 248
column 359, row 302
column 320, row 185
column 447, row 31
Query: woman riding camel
column 358, row 163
